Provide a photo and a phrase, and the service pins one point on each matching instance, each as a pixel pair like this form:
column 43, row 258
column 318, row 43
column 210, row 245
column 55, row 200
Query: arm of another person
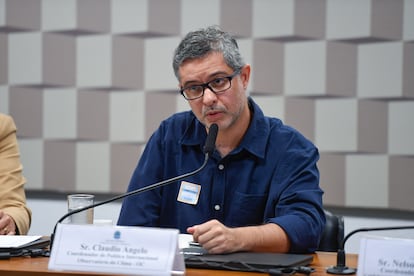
column 15, row 216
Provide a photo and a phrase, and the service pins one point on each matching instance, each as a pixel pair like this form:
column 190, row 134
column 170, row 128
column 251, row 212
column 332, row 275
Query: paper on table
column 16, row 241
column 184, row 240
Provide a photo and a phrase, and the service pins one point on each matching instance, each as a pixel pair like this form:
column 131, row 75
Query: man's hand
column 7, row 225
column 215, row 237
column 218, row 239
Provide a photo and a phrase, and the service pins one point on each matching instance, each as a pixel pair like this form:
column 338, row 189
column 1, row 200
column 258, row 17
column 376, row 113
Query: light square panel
column 364, row 175
column 159, row 74
column 401, row 128
column 4, row 99
column 408, row 70
column 4, row 57
column 31, row 157
column 2, row 13
column 25, row 58
column 348, row 19
column 93, row 166
column 408, row 20
column 129, row 16
column 196, row 14
column 181, row 103
column 127, row 116
column 278, row 14
column 59, row 113
column 94, row 61
column 305, row 68
column 272, row 106
column 59, row 15
column 380, row 68
column 246, row 47
column 336, row 125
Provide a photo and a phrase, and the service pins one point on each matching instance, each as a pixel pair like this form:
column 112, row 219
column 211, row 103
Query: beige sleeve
column 12, row 181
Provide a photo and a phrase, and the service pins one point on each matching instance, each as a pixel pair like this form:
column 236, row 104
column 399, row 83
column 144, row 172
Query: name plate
column 116, row 249
column 386, row 257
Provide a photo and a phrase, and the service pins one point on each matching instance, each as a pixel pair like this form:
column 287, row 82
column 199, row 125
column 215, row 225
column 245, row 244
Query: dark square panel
column 401, row 188
column 332, row 178
column 93, row 115
column 4, row 73
column 124, row 158
column 237, row 16
column 26, row 107
column 60, row 165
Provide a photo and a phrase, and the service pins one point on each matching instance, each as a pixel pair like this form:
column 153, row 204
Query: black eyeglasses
column 218, row 85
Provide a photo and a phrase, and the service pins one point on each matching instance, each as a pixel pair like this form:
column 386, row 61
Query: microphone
column 211, row 139
column 341, row 268
column 208, row 149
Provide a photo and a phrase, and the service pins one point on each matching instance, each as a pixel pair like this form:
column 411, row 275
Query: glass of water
column 77, row 201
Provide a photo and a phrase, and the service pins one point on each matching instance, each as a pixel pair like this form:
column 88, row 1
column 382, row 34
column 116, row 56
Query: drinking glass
column 77, row 201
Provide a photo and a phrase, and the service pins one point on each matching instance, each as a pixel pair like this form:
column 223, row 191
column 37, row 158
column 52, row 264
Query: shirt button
column 221, row 167
column 217, row 207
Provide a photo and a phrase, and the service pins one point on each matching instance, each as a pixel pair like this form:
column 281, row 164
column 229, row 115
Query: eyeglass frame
column 207, row 85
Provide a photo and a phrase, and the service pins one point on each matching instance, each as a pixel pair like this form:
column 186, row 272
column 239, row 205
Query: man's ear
column 245, row 75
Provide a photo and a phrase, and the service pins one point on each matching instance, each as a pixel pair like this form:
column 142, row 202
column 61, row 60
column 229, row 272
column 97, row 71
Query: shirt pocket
column 247, row 209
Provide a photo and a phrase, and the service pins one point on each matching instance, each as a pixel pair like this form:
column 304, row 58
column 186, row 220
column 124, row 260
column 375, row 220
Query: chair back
column 333, row 233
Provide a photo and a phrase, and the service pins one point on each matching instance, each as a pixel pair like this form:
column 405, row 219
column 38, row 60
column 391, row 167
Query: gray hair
column 200, row 43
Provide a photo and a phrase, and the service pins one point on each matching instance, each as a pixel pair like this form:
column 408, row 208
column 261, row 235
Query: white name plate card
column 386, row 257
column 116, row 249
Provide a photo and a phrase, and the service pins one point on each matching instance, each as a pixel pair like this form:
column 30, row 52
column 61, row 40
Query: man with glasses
column 260, row 189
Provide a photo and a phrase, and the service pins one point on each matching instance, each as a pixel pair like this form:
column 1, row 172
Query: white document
column 386, row 257
column 16, row 241
column 116, row 249
column 184, row 240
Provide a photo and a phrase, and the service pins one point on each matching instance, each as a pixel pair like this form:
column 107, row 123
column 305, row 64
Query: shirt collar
column 254, row 141
column 256, row 137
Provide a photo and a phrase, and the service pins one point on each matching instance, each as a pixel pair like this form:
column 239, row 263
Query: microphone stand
column 208, row 150
column 341, row 268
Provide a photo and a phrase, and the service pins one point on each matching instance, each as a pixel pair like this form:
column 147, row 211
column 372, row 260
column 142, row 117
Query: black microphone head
column 211, row 139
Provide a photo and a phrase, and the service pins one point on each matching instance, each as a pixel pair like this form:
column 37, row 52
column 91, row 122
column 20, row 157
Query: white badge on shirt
column 189, row 193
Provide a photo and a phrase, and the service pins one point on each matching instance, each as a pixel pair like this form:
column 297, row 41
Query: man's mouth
column 213, row 114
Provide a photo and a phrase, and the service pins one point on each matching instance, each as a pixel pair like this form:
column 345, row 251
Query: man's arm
column 218, row 239
column 15, row 216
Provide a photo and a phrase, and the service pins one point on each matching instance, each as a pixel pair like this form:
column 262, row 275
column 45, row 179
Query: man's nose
column 209, row 96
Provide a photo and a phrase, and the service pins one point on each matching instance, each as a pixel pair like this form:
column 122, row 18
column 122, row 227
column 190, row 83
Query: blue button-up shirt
column 271, row 177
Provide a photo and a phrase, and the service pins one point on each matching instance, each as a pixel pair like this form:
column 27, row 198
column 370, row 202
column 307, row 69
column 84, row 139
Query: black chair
column 333, row 234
